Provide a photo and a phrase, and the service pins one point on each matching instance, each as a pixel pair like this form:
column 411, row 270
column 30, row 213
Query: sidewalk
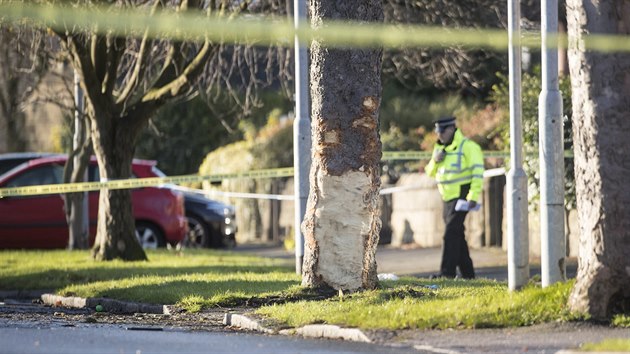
column 489, row 262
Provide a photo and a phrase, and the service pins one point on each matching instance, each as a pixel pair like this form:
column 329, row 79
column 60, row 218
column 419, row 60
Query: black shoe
column 440, row 275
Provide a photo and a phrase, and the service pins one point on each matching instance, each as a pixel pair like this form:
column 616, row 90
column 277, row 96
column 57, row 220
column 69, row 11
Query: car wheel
column 149, row 235
column 198, row 234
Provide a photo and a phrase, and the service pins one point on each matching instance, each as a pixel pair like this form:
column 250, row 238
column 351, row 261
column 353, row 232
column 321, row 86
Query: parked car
column 39, row 221
column 13, row 159
column 210, row 223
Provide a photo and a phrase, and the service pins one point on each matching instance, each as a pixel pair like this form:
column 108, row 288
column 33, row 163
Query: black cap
column 443, row 123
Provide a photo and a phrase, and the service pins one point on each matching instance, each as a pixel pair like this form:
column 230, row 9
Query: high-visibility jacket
column 463, row 164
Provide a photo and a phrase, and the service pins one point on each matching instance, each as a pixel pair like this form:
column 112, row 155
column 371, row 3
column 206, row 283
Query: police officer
column 457, row 165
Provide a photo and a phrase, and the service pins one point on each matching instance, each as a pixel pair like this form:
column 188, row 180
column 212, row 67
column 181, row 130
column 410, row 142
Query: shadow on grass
column 57, row 279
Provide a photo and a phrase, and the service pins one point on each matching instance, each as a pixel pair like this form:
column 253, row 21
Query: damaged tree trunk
column 341, row 226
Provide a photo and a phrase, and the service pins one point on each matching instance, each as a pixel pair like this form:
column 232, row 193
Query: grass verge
column 201, row 279
column 608, row 345
column 193, row 279
column 423, row 304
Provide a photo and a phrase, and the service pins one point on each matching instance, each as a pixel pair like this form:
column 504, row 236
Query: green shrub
column 530, row 91
column 406, row 123
column 181, row 134
column 269, row 147
column 406, row 110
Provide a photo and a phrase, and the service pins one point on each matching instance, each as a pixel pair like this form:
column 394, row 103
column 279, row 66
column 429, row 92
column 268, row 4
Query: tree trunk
column 342, row 224
column 78, row 235
column 12, row 131
column 77, row 204
column 600, row 91
column 114, row 149
column 24, row 61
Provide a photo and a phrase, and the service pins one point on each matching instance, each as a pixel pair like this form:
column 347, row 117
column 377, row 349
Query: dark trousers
column 455, row 248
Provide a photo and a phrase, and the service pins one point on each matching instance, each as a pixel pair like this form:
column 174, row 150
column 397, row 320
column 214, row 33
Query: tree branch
column 98, row 56
column 185, row 80
column 139, row 65
column 138, row 71
column 115, row 48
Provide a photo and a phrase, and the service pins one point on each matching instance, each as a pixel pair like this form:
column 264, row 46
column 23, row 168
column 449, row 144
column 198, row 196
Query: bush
column 181, row 134
column 531, row 86
column 270, row 147
column 407, row 123
column 406, row 110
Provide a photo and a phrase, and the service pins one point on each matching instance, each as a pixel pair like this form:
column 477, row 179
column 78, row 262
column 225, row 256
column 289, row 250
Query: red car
column 39, row 221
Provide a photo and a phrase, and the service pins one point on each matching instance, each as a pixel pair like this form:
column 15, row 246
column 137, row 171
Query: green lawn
column 201, row 279
column 608, row 345
column 191, row 278
column 422, row 303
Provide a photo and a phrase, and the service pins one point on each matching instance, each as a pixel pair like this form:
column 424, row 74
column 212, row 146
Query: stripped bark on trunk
column 341, row 226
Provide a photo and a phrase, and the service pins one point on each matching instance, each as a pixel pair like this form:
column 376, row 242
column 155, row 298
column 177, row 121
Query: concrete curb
column 244, row 322
column 333, row 332
column 311, row 331
column 230, row 319
column 107, row 305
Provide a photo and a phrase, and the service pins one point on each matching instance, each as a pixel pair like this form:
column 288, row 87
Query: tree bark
column 600, row 91
column 22, row 69
column 342, row 224
column 114, row 149
column 78, row 217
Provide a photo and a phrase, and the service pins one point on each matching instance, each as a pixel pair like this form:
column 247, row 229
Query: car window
column 48, row 174
column 8, row 165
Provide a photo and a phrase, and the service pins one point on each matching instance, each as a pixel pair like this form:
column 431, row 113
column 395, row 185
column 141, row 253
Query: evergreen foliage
column 530, row 91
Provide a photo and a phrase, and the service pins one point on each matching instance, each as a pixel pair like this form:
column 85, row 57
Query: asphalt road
column 28, row 337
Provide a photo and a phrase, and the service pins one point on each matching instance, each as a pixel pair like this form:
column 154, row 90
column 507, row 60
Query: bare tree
column 600, row 92
column 342, row 224
column 456, row 68
column 125, row 80
column 29, row 55
column 24, row 64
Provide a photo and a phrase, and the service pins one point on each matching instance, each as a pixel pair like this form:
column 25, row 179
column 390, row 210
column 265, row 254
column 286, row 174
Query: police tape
column 139, row 182
column 425, row 155
column 215, row 193
column 275, row 31
column 185, row 179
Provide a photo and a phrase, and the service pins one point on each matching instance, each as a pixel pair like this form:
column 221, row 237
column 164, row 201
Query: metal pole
column 301, row 135
column 518, row 231
column 551, row 156
column 80, row 131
